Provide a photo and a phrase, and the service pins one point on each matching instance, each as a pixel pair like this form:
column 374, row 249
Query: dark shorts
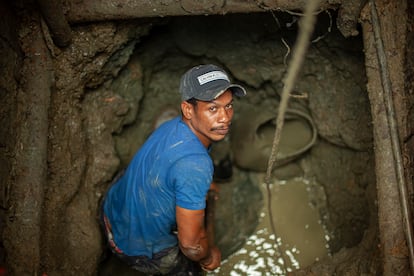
column 170, row 261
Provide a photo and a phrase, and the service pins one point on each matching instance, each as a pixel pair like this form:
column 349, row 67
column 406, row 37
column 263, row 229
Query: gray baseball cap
column 206, row 83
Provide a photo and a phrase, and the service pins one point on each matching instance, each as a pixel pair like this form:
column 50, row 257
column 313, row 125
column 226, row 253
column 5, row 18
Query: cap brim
column 237, row 90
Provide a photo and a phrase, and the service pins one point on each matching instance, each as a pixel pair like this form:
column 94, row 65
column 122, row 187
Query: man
column 154, row 213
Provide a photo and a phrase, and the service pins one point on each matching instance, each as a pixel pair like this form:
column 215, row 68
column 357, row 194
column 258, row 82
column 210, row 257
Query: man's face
column 210, row 121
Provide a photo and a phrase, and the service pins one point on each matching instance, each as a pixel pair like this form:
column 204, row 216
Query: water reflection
column 298, row 227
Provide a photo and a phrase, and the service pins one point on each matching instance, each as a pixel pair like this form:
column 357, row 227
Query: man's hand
column 213, row 261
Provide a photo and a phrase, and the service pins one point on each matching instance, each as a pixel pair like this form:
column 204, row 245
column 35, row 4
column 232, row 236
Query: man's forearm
column 198, row 252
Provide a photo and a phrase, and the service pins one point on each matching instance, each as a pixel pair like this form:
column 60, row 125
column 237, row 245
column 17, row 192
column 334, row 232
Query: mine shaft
column 85, row 83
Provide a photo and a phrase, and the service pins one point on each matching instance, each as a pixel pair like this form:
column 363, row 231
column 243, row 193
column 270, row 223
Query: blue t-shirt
column 171, row 168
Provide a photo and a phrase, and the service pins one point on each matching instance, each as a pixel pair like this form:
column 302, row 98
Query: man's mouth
column 221, row 130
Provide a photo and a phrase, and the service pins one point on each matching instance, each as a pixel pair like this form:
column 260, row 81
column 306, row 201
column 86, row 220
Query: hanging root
column 306, row 25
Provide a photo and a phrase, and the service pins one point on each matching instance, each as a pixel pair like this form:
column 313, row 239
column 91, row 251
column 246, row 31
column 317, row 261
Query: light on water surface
column 300, row 235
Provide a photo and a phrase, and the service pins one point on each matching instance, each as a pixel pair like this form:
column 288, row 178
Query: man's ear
column 187, row 110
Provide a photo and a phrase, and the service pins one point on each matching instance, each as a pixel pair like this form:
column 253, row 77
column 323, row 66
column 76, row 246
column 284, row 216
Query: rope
column 306, row 25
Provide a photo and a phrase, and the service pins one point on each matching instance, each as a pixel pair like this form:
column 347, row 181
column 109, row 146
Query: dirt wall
column 10, row 62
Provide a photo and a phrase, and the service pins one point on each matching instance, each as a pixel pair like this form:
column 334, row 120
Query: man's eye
column 213, row 108
column 229, row 106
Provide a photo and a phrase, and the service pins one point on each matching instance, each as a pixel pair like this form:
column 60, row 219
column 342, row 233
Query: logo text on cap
column 212, row 76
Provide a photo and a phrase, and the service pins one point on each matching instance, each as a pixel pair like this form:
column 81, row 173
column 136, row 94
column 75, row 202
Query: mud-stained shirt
column 171, row 169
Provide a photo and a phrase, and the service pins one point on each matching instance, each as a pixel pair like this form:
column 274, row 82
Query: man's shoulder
column 180, row 136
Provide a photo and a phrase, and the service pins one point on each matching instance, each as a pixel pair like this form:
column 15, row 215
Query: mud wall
column 11, row 62
column 390, row 107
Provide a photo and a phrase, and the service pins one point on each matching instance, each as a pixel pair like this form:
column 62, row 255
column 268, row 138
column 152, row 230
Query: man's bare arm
column 193, row 239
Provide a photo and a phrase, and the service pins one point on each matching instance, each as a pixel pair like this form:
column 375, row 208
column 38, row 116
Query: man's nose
column 224, row 116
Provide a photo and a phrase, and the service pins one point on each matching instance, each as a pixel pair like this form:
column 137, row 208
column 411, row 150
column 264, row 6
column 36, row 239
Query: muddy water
column 298, row 227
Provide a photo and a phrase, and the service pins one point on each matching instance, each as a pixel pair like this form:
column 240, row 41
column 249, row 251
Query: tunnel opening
column 336, row 164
